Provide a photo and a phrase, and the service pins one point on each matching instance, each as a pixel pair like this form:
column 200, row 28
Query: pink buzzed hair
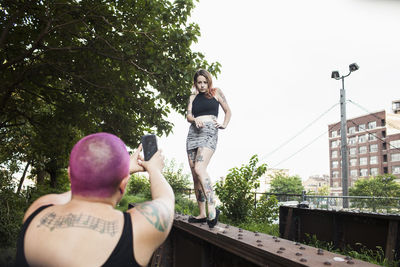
column 97, row 165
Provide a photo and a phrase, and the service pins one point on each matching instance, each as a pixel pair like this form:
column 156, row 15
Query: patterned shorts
column 206, row 136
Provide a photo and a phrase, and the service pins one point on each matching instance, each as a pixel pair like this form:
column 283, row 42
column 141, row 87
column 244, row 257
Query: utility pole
column 343, row 133
column 343, row 141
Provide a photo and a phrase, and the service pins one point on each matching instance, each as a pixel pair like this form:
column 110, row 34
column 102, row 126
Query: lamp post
column 343, row 132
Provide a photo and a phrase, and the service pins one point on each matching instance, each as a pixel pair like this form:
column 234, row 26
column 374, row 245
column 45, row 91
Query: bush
column 139, row 184
column 131, row 199
column 186, row 206
column 235, row 192
column 267, row 210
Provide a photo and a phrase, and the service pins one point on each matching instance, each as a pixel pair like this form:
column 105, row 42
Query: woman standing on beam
column 202, row 114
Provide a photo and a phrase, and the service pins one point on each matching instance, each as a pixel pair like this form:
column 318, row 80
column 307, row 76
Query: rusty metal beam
column 197, row 245
column 343, row 228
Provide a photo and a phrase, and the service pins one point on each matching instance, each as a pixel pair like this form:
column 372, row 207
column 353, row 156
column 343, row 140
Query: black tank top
column 202, row 105
column 122, row 254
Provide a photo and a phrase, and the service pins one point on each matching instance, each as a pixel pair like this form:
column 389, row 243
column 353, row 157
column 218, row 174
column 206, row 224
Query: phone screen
column 149, row 143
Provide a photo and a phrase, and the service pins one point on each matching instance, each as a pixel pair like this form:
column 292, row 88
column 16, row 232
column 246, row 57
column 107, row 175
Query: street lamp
column 343, row 132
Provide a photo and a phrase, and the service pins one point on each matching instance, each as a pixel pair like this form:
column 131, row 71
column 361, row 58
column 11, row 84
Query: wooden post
column 391, row 240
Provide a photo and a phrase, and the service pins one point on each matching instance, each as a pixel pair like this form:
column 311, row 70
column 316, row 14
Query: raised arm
column 224, row 104
column 152, row 220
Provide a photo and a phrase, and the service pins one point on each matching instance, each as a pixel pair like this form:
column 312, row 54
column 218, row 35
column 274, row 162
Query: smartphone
column 149, row 143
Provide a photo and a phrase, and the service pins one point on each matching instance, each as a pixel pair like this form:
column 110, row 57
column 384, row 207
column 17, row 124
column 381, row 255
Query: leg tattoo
column 210, row 198
column 192, row 155
column 199, row 156
column 200, row 196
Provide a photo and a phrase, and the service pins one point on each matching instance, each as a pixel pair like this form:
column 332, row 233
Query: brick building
column 373, row 147
column 316, row 182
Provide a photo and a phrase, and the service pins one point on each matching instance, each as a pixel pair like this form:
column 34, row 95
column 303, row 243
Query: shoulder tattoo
column 156, row 213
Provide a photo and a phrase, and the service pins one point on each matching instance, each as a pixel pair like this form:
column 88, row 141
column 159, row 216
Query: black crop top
column 204, row 106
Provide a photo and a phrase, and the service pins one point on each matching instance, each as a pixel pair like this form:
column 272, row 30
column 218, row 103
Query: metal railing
column 386, row 205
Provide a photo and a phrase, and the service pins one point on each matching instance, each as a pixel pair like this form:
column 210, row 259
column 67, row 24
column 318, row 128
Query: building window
column 352, row 130
column 361, row 127
column 334, row 154
column 335, row 174
column 394, row 144
column 353, row 151
column 333, row 133
column 362, row 149
column 373, row 148
column 335, row 164
column 373, row 160
column 384, row 159
column 395, row 157
column 335, row 143
column 353, row 173
column 362, row 138
column 371, row 137
column 353, row 140
column 363, row 161
column 372, row 125
column 335, row 184
column 353, row 162
column 396, row 169
column 383, row 134
column 364, row 172
column 374, row 171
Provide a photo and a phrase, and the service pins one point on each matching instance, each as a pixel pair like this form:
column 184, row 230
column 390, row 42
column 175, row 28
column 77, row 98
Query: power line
column 297, row 134
column 373, row 114
column 307, row 145
column 376, row 136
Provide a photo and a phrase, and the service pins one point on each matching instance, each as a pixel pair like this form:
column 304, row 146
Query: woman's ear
column 123, row 184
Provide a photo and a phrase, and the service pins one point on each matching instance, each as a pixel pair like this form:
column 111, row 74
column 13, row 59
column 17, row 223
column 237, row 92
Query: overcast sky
column 277, row 58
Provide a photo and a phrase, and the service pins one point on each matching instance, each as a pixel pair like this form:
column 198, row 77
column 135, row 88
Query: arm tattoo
column 53, row 221
column 222, row 97
column 156, row 213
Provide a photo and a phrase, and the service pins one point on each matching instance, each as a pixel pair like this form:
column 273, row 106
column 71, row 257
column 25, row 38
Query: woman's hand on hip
column 198, row 123
column 218, row 125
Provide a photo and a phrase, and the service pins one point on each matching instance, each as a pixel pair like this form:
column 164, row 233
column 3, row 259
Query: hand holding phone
column 149, row 143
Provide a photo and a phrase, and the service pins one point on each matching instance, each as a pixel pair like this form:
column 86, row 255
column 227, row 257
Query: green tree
column 235, row 191
column 70, row 68
column 285, row 184
column 379, row 186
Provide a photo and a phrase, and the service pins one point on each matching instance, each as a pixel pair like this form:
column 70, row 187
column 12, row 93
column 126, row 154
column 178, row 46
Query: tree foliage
column 379, row 186
column 70, row 68
column 235, row 191
column 285, row 184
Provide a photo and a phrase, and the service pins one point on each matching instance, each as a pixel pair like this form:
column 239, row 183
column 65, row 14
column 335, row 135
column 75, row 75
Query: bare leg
column 201, row 201
column 202, row 159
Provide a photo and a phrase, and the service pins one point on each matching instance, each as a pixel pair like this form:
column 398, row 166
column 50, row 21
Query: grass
column 375, row 256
